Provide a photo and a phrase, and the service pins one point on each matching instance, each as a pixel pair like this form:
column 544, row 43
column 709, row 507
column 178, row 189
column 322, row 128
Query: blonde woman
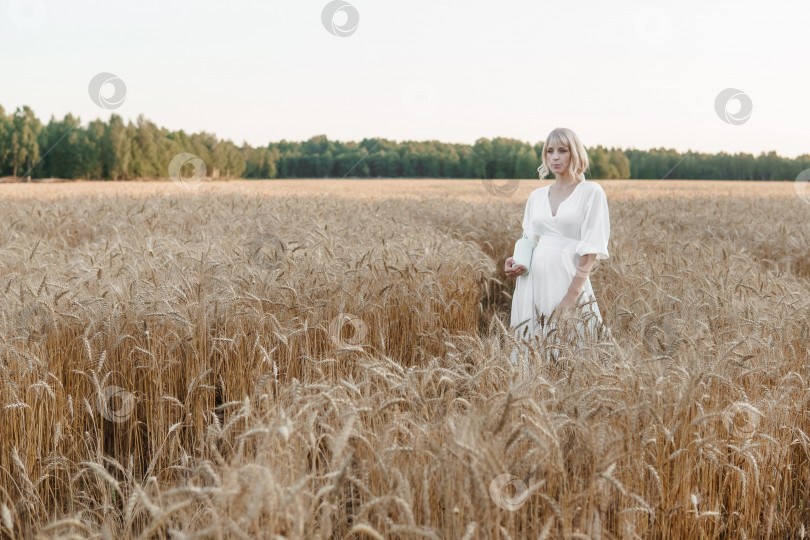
column 570, row 225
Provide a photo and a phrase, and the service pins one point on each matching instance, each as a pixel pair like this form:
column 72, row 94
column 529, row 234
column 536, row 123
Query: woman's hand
column 512, row 269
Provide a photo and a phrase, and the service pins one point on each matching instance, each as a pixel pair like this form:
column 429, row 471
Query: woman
column 569, row 223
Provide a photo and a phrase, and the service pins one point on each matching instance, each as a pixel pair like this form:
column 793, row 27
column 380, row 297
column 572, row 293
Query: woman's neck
column 568, row 180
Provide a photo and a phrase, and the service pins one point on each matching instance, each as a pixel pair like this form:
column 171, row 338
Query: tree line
column 118, row 150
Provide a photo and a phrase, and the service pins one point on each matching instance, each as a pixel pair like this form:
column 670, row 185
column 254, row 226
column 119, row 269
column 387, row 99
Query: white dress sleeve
column 595, row 229
column 527, row 218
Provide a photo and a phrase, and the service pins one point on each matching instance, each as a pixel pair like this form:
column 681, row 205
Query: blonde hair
column 579, row 158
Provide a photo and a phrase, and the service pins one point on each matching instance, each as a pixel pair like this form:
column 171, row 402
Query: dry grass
column 174, row 364
column 479, row 191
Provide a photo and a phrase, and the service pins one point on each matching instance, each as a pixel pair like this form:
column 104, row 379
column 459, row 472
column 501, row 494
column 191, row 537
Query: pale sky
column 619, row 73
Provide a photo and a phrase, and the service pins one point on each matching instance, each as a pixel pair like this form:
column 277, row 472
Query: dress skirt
column 553, row 268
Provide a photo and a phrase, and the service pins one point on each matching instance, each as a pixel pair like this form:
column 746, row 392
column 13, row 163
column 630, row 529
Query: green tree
column 64, row 143
column 146, row 149
column 24, row 145
column 229, row 160
column 5, row 140
column 118, row 151
column 92, row 160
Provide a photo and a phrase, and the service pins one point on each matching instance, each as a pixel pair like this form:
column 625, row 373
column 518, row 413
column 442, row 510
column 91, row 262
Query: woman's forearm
column 582, row 273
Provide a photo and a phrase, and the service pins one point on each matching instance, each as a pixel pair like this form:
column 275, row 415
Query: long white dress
column 580, row 226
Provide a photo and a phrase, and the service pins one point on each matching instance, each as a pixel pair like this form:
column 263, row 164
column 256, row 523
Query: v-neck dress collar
column 548, row 202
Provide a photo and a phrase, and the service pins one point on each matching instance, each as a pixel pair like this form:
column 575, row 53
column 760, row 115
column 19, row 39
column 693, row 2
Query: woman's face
column 558, row 158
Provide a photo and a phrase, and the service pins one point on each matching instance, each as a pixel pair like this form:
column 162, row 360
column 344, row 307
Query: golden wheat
column 252, row 363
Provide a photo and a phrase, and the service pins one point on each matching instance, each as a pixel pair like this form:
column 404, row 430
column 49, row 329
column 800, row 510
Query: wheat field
column 330, row 359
